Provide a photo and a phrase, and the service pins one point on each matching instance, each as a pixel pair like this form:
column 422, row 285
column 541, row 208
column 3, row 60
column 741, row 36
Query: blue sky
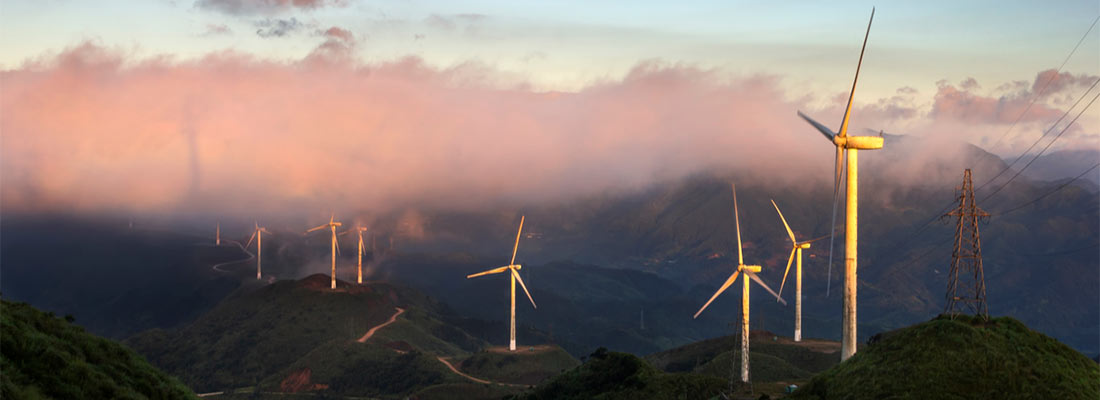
column 567, row 45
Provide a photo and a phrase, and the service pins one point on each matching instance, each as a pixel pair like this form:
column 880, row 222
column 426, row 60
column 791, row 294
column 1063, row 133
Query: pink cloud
column 89, row 129
column 253, row 7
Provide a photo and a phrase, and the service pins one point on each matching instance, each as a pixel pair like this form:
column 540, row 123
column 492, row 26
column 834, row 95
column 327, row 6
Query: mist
column 93, row 129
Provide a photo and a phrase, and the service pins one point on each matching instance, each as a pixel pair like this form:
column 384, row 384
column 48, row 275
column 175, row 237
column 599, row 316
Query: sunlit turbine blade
column 516, row 247
column 345, row 232
column 814, row 239
column 522, row 285
column 832, row 226
column 250, row 239
column 822, row 128
column 789, row 259
column 757, row 279
column 362, row 250
column 737, row 222
column 789, row 232
column 492, row 271
column 336, row 242
column 847, row 110
column 316, row 228
column 726, row 285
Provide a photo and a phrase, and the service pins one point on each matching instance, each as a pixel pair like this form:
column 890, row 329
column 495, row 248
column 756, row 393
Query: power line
column 1045, row 133
column 1044, row 88
column 1066, row 128
column 1050, row 192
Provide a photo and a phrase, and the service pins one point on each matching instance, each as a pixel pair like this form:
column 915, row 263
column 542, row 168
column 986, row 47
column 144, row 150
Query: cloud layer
column 90, row 129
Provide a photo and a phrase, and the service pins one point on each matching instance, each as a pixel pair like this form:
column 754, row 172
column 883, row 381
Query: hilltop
column 966, row 356
column 612, row 375
column 375, row 339
column 49, row 357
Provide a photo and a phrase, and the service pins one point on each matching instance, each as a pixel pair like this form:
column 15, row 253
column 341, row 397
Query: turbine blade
column 522, row 285
column 789, row 232
column 847, row 110
column 316, row 228
column 516, row 247
column 726, row 285
column 832, row 226
column 737, row 222
column 761, row 282
column 822, row 128
column 789, row 259
column 345, row 232
column 813, row 240
column 250, row 239
column 336, row 242
column 491, row 271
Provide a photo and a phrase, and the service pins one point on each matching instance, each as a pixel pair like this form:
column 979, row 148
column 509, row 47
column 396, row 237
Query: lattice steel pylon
column 966, row 288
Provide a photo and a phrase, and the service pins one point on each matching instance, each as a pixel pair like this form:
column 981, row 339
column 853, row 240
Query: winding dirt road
column 380, row 326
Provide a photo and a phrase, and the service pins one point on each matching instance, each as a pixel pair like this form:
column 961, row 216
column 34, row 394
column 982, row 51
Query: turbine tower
column 796, row 248
column 332, row 224
column 258, row 234
column 218, row 234
column 851, row 144
column 359, row 264
column 750, row 273
column 514, row 269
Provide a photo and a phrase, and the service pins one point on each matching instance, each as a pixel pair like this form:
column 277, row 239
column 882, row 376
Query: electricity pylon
column 966, row 287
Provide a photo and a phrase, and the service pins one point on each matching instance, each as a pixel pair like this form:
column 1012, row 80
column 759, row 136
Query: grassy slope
column 611, row 375
column 523, row 366
column 252, row 336
column 48, row 357
column 770, row 361
column 961, row 358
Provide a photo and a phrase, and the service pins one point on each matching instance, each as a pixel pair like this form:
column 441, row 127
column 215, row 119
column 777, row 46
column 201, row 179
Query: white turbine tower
column 332, row 224
column 796, row 248
column 359, row 265
column 750, row 273
column 514, row 269
column 851, row 144
column 258, row 234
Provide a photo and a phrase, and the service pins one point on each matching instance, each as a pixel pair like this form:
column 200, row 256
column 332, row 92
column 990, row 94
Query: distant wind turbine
column 514, row 269
column 852, row 144
column 359, row 230
column 218, row 234
column 796, row 248
column 332, row 224
column 750, row 273
column 258, row 234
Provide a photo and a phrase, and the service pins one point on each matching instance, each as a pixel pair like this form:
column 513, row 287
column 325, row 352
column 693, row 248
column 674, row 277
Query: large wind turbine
column 852, row 144
column 332, row 224
column 514, row 269
column 258, row 234
column 359, row 230
column 750, row 273
column 796, row 248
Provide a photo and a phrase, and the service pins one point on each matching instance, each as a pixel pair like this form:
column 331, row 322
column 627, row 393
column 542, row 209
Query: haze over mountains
column 597, row 264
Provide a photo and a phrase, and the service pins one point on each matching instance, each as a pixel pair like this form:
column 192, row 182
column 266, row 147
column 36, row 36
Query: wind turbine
column 750, row 273
column 514, row 269
column 852, row 144
column 796, row 248
column 218, row 234
column 332, row 224
column 359, row 230
column 258, row 234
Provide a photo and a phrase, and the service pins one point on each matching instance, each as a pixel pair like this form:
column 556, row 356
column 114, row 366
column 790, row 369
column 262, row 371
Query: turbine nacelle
column 749, row 268
column 859, row 142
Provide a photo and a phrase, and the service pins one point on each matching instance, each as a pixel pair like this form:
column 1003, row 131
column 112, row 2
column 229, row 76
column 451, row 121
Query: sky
column 285, row 103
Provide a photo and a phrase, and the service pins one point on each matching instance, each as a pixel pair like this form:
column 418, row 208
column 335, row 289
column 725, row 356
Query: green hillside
column 961, row 358
column 612, row 375
column 527, row 365
column 771, row 358
column 261, row 335
column 45, row 357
